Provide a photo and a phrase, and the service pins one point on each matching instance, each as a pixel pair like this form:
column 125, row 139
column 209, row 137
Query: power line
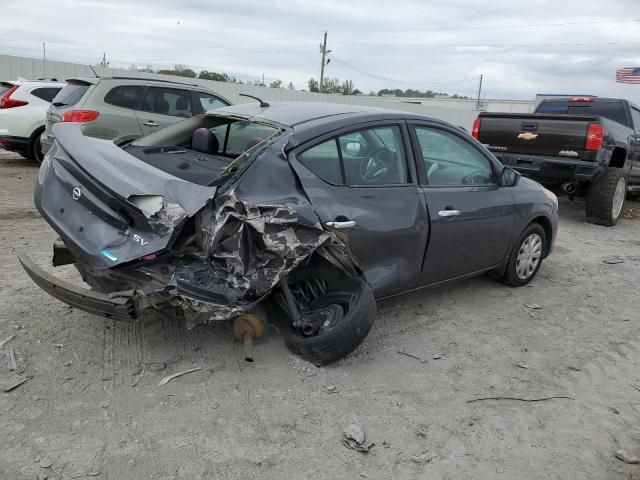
column 483, row 27
column 402, row 82
column 488, row 45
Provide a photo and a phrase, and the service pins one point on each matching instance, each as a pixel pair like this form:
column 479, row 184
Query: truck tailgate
column 535, row 134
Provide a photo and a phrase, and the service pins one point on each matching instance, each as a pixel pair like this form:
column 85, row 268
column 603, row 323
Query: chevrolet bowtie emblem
column 528, row 136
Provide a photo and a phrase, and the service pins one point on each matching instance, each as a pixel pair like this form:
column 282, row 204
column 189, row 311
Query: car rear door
column 472, row 216
column 164, row 106
column 382, row 215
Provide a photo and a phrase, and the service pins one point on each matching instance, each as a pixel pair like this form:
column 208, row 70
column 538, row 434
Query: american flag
column 628, row 75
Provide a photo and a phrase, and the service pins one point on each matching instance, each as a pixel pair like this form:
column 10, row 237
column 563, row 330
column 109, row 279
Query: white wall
column 454, row 111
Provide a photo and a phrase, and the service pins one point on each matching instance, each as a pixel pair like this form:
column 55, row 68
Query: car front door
column 472, row 216
column 163, row 106
column 363, row 182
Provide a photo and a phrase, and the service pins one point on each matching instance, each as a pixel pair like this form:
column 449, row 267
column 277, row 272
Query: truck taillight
column 595, row 136
column 80, row 116
column 475, row 132
column 7, row 102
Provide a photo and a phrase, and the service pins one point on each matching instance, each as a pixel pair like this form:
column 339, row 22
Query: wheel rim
column 321, row 309
column 618, row 198
column 529, row 256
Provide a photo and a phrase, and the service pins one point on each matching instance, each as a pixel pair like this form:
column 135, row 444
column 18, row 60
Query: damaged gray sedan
column 297, row 213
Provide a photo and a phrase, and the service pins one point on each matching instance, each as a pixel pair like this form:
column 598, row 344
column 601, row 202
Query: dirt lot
column 93, row 407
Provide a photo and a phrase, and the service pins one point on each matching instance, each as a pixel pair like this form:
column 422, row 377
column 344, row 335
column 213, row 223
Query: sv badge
column 137, row 238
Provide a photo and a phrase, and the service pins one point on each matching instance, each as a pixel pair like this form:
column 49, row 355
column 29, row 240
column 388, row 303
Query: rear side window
column 125, row 96
column 324, row 161
column 210, row 102
column 5, row 87
column 70, row 94
column 612, row 110
column 168, row 101
column 46, row 93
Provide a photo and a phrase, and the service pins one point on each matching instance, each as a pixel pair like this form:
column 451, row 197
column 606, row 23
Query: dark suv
column 123, row 109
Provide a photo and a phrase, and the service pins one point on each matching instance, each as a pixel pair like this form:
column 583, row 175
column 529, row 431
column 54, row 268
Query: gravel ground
column 93, row 407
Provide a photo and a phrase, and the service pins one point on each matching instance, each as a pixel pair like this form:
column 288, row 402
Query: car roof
column 296, row 114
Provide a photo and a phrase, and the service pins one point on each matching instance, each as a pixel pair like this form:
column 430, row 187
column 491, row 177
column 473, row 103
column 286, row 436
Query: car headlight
column 551, row 196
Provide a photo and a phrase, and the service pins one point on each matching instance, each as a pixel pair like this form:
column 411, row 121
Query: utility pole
column 479, row 92
column 323, row 50
column 44, row 59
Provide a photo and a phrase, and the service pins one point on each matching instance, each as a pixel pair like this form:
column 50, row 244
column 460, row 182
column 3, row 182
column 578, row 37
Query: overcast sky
column 414, row 44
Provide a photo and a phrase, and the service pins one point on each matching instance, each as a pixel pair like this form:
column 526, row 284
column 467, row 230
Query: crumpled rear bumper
column 117, row 305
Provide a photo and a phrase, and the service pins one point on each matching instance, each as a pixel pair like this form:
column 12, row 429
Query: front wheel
column 336, row 318
column 526, row 257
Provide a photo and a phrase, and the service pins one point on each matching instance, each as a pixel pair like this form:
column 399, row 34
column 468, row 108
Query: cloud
column 422, row 44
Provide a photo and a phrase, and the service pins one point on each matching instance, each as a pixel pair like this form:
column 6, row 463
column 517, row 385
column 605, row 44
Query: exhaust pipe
column 569, row 187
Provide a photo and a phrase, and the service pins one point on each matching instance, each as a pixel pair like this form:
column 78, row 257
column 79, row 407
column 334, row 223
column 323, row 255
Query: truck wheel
column 606, row 197
column 526, row 256
column 336, row 321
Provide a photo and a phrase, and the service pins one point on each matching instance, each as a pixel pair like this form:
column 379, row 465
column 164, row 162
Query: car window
column 168, row 101
column 241, row 136
column 210, row 102
column 70, row 94
column 125, row 96
column 635, row 114
column 450, row 160
column 612, row 110
column 324, row 161
column 374, row 156
column 46, row 93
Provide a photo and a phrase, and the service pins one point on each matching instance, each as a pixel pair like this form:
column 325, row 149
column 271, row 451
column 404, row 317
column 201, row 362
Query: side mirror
column 509, row 177
column 353, row 148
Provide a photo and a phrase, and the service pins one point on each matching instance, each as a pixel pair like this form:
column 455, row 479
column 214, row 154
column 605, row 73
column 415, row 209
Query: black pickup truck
column 580, row 146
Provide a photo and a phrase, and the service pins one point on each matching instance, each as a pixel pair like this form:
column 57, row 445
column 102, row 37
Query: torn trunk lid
column 108, row 206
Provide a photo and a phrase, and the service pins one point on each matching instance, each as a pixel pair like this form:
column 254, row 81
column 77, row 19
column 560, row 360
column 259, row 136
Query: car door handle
column 342, row 225
column 449, row 213
column 150, row 123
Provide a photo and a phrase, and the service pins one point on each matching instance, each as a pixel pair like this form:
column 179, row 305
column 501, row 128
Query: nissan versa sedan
column 300, row 214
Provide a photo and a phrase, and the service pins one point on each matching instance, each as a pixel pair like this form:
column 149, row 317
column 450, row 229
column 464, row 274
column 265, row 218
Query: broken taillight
column 80, row 116
column 7, row 102
column 595, row 136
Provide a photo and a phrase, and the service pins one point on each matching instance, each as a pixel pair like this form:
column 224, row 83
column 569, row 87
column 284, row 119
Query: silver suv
column 123, row 109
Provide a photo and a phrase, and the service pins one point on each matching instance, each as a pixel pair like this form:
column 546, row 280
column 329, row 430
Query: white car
column 23, row 112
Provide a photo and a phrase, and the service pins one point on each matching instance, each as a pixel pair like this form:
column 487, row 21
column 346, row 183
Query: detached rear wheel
column 337, row 316
column 605, row 198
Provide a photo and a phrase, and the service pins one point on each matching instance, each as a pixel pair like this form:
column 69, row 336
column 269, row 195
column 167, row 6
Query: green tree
column 313, row 85
column 276, row 84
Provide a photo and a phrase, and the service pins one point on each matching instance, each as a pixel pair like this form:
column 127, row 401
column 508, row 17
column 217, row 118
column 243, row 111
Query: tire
column 35, row 148
column 349, row 330
column 604, row 204
column 515, row 275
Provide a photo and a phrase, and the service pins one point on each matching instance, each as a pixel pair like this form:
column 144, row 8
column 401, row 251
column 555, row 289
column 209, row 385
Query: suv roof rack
column 154, row 80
